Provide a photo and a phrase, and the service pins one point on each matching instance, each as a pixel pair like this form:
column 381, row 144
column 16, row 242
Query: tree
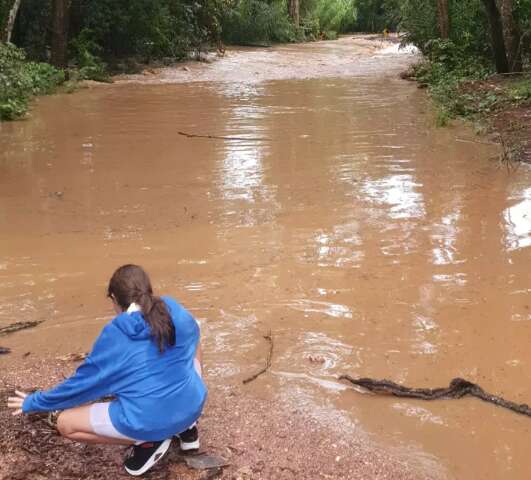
column 496, row 34
column 443, row 18
column 512, row 35
column 293, row 8
column 11, row 17
column 60, row 23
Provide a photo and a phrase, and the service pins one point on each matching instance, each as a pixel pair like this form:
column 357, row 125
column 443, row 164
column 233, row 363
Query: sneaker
column 143, row 456
column 189, row 439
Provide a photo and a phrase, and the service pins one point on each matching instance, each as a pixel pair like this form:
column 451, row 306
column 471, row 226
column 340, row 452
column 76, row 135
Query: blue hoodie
column 157, row 394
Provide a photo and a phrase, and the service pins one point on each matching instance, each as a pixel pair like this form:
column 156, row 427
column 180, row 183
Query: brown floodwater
column 341, row 218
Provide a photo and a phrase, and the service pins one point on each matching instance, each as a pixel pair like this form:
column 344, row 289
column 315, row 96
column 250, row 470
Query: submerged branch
column 269, row 338
column 458, row 388
column 216, row 137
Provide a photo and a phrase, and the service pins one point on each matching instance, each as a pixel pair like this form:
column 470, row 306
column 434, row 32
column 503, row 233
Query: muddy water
column 362, row 236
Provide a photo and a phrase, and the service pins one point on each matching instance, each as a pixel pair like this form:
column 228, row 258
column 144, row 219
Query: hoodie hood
column 133, row 325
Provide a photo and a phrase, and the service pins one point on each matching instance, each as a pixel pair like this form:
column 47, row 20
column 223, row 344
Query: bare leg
column 74, row 424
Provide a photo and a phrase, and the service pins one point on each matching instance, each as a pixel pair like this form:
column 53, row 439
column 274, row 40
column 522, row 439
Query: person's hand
column 16, row 402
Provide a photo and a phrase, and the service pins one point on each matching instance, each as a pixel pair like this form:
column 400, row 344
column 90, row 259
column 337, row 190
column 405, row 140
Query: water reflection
column 446, row 237
column 399, row 192
column 518, row 222
column 242, row 171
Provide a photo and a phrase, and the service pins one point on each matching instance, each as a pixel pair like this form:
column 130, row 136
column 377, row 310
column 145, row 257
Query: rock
column 205, row 461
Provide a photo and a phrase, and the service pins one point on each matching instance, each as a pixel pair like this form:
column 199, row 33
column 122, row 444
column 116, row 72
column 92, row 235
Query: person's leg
column 92, row 424
column 75, row 424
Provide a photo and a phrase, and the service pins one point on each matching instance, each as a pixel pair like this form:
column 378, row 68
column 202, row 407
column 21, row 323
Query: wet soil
column 366, row 240
column 254, row 436
column 507, row 116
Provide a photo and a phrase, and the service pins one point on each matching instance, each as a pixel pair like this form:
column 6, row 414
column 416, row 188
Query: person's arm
column 90, row 381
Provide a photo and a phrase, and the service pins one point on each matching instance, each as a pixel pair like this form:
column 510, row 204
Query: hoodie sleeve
column 94, row 378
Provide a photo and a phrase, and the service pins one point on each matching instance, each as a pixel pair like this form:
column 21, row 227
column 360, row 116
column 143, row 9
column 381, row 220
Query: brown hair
column 130, row 283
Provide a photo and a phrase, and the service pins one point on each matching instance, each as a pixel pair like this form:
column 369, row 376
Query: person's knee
column 64, row 425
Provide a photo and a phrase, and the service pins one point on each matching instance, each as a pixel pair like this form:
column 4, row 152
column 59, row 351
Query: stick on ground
column 269, row 338
column 15, row 327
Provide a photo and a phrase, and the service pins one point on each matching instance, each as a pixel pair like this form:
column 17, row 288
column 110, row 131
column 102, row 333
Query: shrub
column 20, row 80
column 85, row 54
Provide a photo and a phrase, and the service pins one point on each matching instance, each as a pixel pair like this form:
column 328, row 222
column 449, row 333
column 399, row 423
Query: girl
column 148, row 358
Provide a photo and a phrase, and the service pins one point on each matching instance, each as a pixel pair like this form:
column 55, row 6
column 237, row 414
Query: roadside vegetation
column 476, row 65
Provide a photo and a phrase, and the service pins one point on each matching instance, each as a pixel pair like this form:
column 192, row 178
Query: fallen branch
column 72, row 357
column 269, row 338
column 215, row 137
column 4, row 350
column 15, row 327
column 466, row 140
column 458, row 388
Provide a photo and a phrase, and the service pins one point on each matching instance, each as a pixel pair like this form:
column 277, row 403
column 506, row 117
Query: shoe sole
column 159, row 453
column 186, row 446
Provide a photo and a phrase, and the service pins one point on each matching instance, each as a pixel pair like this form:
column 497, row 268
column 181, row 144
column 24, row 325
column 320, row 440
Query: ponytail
column 130, row 283
column 159, row 320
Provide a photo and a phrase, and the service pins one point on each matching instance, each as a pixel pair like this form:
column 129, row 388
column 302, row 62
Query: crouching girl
column 147, row 358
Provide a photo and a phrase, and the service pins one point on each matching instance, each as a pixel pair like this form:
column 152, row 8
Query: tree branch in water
column 269, row 338
column 215, row 137
column 458, row 388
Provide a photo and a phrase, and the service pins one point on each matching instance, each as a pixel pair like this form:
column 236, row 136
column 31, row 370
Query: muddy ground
column 240, row 428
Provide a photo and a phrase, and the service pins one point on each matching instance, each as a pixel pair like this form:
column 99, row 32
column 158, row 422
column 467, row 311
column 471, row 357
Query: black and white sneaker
column 189, row 439
column 143, row 456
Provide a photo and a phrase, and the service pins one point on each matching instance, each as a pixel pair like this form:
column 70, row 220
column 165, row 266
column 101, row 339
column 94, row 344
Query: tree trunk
column 6, row 34
column 496, row 33
column 60, row 21
column 512, row 34
column 293, row 7
column 443, row 18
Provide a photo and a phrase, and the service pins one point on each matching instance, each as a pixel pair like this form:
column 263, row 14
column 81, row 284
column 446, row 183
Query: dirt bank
column 259, row 439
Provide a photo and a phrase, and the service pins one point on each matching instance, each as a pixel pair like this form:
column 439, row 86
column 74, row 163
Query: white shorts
column 101, row 424
column 100, row 420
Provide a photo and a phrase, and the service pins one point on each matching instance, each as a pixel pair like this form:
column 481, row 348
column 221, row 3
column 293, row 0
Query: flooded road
column 367, row 240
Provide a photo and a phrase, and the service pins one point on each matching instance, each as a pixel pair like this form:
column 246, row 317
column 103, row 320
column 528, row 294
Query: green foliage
column 419, row 21
column 85, row 54
column 521, row 91
column 20, row 80
column 113, row 29
column 523, row 14
column 377, row 15
column 469, row 27
column 452, row 66
column 328, row 17
column 32, row 28
column 257, row 21
column 43, row 77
